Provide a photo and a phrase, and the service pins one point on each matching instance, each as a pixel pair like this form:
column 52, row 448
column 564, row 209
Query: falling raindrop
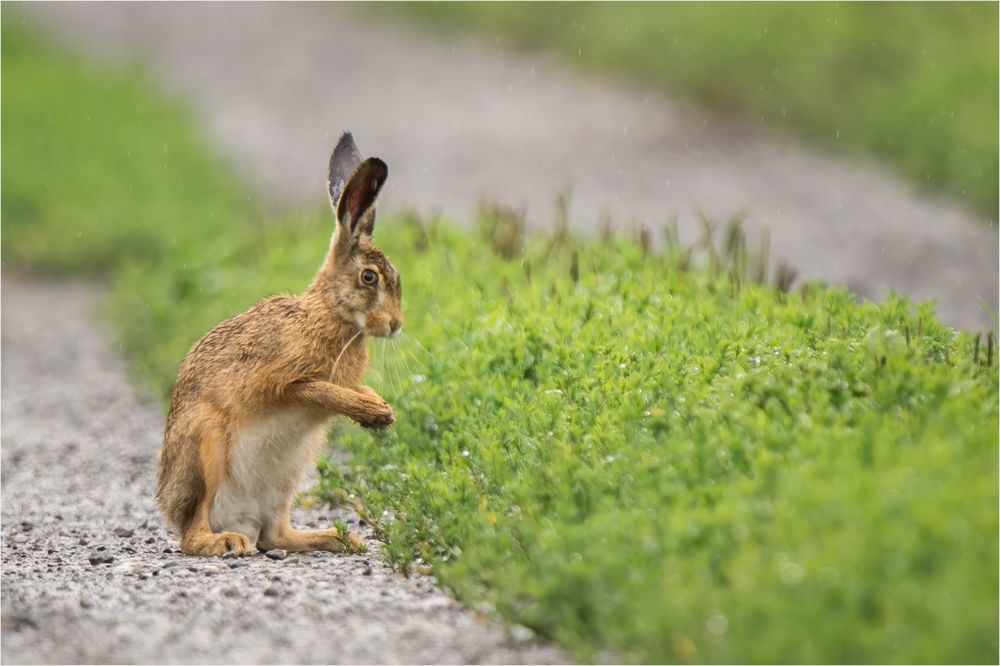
column 717, row 624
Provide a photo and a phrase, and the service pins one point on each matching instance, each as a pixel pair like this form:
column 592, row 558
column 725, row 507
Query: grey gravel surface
column 91, row 575
column 275, row 82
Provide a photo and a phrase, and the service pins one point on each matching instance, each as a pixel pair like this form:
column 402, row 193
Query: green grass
column 914, row 84
column 666, row 464
column 652, row 455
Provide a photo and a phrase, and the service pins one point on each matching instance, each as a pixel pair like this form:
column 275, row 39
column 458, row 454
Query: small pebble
column 124, row 532
column 101, row 558
column 521, row 633
column 273, row 591
column 276, row 554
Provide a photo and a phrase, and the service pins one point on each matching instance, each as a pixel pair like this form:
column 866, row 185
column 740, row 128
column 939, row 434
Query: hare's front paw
column 376, row 413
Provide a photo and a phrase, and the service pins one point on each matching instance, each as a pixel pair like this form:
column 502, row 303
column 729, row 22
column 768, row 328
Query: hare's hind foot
column 306, row 540
column 215, row 544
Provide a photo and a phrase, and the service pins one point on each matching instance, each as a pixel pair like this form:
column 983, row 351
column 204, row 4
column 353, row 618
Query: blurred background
column 861, row 137
column 681, row 456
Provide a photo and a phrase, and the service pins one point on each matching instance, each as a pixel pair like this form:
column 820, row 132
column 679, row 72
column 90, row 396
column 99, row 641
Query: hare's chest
column 266, row 461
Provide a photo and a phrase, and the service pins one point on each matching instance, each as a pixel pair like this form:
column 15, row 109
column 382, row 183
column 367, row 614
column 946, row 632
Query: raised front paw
column 370, row 410
column 378, row 417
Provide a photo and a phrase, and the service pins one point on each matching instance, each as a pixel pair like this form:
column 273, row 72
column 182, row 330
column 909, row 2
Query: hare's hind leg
column 276, row 530
column 280, row 534
column 197, row 537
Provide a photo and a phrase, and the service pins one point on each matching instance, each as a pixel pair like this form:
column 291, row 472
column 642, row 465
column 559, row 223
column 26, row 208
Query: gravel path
column 78, row 462
column 275, row 82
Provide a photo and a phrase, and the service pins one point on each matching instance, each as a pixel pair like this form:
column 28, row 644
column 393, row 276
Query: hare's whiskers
column 426, row 351
column 394, row 377
column 402, row 372
column 405, row 358
column 409, row 351
column 346, row 345
column 402, row 365
column 377, row 366
column 386, row 378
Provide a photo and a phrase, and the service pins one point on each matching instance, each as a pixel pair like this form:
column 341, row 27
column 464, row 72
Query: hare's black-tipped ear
column 344, row 159
column 355, row 209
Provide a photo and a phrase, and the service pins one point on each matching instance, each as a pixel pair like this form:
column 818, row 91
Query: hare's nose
column 395, row 325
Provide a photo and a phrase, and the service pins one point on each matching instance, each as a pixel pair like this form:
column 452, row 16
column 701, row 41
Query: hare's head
column 357, row 280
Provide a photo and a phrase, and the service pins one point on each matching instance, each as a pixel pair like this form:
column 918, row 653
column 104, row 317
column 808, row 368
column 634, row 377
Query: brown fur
column 278, row 357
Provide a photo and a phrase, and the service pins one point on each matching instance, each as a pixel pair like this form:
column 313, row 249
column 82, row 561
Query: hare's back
column 240, row 352
column 260, row 332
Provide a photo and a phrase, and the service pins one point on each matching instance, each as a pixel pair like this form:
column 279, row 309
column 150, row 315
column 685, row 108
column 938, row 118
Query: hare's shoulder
column 237, row 352
column 264, row 328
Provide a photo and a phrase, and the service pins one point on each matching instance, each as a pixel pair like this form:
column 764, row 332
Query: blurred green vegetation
column 912, row 83
column 99, row 168
column 653, row 454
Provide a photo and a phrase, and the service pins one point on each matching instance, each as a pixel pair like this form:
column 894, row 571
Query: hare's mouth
column 382, row 327
column 384, row 331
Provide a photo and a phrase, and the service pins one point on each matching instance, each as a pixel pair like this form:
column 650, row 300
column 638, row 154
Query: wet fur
column 254, row 394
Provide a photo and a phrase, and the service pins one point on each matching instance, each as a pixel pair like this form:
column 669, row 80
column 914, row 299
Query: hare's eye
column 369, row 277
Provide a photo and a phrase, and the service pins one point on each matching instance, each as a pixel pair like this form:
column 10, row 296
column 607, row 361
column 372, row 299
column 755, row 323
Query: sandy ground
column 79, row 462
column 274, row 83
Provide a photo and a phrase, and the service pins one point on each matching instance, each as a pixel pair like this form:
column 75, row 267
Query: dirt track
column 275, row 82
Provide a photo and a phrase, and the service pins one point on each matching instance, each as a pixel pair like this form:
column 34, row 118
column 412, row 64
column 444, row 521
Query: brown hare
column 254, row 394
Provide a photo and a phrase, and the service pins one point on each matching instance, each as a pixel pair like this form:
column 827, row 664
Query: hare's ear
column 344, row 159
column 355, row 209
